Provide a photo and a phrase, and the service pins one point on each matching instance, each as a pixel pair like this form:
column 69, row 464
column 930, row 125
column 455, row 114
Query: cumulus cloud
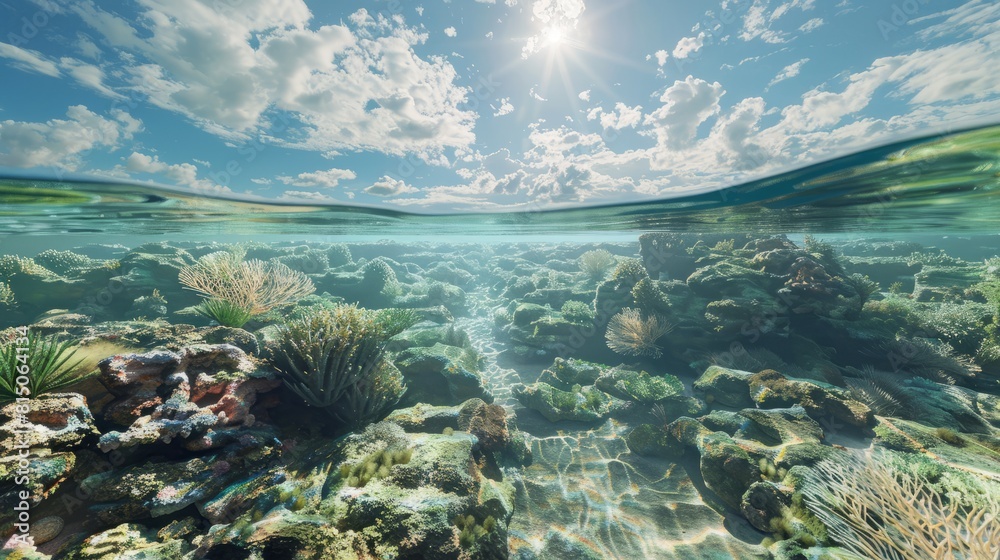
column 60, row 142
column 661, row 57
column 324, row 179
column 685, row 47
column 451, row 31
column 584, row 95
column 505, row 108
column 180, row 173
column 355, row 86
column 388, row 186
column 686, row 104
column 620, row 117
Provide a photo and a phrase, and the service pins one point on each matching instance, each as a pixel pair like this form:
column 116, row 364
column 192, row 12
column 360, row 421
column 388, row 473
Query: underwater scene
column 676, row 379
column 499, row 280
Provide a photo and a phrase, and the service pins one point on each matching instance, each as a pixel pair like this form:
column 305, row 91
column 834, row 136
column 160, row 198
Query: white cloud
column 789, row 71
column 28, row 60
column 551, row 14
column 505, row 108
column 661, row 57
column 686, row 105
column 811, row 25
column 387, row 186
column 339, row 88
column 306, row 195
column 584, row 95
column 686, row 47
column 87, row 47
column 759, row 18
column 451, row 31
column 324, row 179
column 60, row 142
column 620, row 117
column 180, row 173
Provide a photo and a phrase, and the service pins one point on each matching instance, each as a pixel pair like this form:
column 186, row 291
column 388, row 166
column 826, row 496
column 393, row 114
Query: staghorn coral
column 632, row 335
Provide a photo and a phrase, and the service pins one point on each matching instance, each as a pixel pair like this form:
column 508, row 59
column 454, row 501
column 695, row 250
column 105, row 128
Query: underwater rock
column 653, row 441
column 56, row 422
column 764, row 502
column 201, row 396
column 441, row 375
column 782, row 426
column 944, row 282
column 46, row 529
column 587, row 405
column 157, row 488
column 427, row 418
column 239, row 338
column 728, row 387
column 727, row 469
column 428, row 333
column 564, row 373
column 771, row 389
column 56, row 427
column 409, row 512
column 128, row 541
column 639, row 386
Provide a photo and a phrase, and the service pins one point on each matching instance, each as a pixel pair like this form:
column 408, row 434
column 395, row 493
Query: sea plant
column 596, row 264
column 631, row 334
column 375, row 466
column 6, row 295
column 335, row 360
column 877, row 511
column 238, row 290
column 577, row 312
column 882, row 391
column 39, row 363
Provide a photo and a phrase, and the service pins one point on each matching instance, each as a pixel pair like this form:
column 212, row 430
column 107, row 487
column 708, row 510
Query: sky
column 445, row 105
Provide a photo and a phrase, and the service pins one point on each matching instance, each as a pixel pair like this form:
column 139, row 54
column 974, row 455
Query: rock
column 727, row 469
column 564, row 373
column 239, row 338
column 653, row 441
column 488, row 422
column 313, row 513
column 639, row 386
column 46, row 529
column 589, row 405
column 783, row 426
column 763, row 502
column 441, row 375
column 128, row 541
column 157, row 488
column 527, row 313
column 55, row 422
column 427, row 418
column 771, row 389
column 201, row 397
column 728, row 387
column 427, row 334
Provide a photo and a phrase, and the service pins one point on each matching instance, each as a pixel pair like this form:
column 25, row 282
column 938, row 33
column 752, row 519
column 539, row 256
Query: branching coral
column 631, row 334
column 878, row 512
column 237, row 290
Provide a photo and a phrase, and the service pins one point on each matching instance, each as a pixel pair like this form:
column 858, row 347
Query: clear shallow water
column 731, row 271
column 940, row 183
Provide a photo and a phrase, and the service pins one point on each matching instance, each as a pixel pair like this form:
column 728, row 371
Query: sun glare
column 554, row 36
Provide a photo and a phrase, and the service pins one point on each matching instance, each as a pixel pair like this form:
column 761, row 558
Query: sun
column 554, row 36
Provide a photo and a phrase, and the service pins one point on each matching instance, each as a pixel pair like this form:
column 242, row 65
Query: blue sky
column 441, row 105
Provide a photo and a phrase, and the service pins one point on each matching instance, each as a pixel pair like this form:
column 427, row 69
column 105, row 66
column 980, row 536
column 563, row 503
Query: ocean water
column 732, row 374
